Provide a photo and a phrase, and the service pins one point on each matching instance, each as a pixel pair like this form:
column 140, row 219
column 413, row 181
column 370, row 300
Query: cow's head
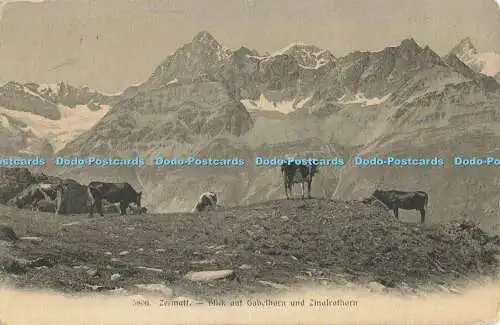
column 378, row 194
column 368, row 200
column 213, row 198
column 19, row 202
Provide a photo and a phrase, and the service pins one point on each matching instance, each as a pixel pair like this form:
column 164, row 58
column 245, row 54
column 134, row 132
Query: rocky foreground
column 253, row 249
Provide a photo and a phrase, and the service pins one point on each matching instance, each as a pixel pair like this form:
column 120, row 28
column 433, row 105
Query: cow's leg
column 123, row 207
column 34, row 204
column 422, row 215
column 303, row 190
column 286, row 190
column 396, row 213
column 309, row 189
column 98, row 204
column 58, row 204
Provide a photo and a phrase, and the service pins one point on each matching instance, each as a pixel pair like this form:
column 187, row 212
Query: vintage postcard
column 249, row 162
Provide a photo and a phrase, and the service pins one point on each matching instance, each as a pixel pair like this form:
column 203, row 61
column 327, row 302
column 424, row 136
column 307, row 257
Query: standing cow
column 33, row 194
column 395, row 200
column 206, row 202
column 295, row 174
column 123, row 193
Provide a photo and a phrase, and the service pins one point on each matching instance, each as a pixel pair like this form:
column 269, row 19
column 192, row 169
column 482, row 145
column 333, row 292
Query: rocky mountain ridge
column 40, row 119
column 209, row 101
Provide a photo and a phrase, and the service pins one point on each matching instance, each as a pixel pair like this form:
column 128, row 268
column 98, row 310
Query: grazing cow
column 206, row 202
column 295, row 174
column 34, row 193
column 395, row 200
column 45, row 206
column 123, row 193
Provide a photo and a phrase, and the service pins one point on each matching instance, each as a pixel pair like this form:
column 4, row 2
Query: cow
column 295, row 174
column 395, row 200
column 123, row 193
column 34, row 193
column 206, row 202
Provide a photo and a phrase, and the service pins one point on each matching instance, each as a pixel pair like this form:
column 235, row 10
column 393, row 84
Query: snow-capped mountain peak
column 485, row 63
column 307, row 56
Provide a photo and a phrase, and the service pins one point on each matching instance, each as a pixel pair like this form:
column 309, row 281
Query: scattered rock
column 31, row 238
column 140, row 250
column 284, row 218
column 7, row 234
column 115, row 277
column 209, row 275
column 294, row 258
column 108, row 253
column 160, row 250
column 115, row 259
column 274, row 285
column 95, row 287
column 71, row 224
column 449, row 290
column 92, row 272
column 124, row 253
column 245, row 267
column 202, row 262
column 215, row 247
column 40, row 261
column 118, row 291
column 157, row 288
column 376, row 287
column 152, row 269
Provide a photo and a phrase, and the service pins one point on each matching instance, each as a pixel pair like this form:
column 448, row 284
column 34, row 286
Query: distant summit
column 485, row 63
column 464, row 47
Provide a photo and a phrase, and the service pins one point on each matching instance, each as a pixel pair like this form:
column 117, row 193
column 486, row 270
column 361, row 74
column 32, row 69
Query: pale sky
column 111, row 44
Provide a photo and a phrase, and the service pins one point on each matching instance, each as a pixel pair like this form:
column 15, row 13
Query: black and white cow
column 206, row 202
column 298, row 174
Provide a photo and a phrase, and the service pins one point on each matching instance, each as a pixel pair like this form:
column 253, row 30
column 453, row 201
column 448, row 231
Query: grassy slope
column 322, row 239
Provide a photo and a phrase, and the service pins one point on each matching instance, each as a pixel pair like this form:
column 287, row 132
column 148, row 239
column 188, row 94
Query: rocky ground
column 260, row 248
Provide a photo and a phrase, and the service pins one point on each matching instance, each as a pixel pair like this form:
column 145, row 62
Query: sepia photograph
column 249, row 162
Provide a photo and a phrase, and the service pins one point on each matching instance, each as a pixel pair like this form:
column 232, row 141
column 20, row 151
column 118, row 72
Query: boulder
column 7, row 234
column 13, row 181
column 74, row 197
column 206, row 276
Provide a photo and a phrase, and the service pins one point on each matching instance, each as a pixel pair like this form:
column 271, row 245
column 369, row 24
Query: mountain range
column 210, row 101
